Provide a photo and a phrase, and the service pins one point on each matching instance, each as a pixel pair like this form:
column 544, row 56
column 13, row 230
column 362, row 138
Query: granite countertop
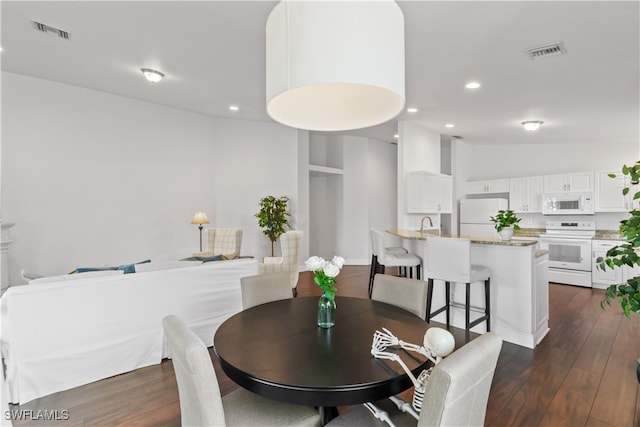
column 529, row 232
column 417, row 235
column 541, row 252
column 608, row 235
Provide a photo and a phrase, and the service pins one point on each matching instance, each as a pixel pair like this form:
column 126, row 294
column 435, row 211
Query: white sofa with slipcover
column 57, row 335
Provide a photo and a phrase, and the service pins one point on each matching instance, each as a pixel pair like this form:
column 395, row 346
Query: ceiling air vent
column 44, row 28
column 546, row 50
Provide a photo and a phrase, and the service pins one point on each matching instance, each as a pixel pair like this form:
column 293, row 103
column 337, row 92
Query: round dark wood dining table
column 278, row 351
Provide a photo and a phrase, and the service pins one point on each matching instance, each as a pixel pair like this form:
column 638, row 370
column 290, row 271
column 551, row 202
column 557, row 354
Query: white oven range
column 569, row 245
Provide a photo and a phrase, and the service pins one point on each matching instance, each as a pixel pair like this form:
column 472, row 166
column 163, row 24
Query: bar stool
column 386, row 259
column 449, row 260
column 375, row 266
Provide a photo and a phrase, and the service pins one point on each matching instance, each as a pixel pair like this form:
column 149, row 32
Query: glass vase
column 326, row 312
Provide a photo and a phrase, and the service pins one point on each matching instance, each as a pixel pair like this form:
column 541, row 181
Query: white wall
column 514, row 160
column 92, row 179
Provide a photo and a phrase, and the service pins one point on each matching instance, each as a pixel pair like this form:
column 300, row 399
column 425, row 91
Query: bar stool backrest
column 448, row 259
column 377, row 240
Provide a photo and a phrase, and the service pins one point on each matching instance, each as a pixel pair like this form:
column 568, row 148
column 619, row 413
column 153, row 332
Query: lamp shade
column 335, row 65
column 200, row 218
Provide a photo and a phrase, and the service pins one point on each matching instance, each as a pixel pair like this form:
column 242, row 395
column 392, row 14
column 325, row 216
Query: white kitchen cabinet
column 487, row 186
column 608, row 194
column 574, row 182
column 525, row 194
column 604, row 278
column 428, row 192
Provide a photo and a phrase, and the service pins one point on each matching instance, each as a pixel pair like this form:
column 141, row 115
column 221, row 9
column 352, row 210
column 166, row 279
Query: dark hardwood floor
column 582, row 374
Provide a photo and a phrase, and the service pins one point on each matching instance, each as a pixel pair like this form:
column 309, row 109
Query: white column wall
column 353, row 242
column 95, row 179
column 418, row 149
column 383, row 191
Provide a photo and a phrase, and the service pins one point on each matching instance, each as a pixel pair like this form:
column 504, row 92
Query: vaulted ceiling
column 213, row 56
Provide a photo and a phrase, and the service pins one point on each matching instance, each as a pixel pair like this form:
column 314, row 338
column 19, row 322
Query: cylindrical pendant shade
column 335, row 65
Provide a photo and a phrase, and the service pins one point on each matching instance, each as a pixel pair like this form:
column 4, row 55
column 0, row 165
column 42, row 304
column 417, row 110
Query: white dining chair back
column 456, row 393
column 458, row 389
column 199, row 393
column 408, row 294
column 264, row 288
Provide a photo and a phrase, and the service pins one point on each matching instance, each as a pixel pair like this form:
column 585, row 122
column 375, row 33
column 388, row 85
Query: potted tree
column 273, row 217
column 628, row 253
column 505, row 223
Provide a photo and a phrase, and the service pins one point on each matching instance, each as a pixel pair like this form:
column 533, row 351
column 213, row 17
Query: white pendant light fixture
column 532, row 125
column 335, row 65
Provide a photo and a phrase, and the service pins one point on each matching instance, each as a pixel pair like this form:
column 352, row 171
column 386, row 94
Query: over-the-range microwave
column 567, row 203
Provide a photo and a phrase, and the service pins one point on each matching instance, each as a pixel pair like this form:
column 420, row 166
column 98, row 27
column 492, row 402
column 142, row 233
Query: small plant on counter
column 505, row 219
column 627, row 253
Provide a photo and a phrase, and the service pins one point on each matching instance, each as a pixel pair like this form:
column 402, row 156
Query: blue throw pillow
column 126, row 268
column 130, row 268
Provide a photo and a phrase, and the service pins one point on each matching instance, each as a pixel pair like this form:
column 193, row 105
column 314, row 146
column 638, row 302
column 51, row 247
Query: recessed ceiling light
column 472, row 85
column 233, row 107
column 395, row 136
column 152, row 75
column 449, row 125
column 532, row 125
column 412, row 110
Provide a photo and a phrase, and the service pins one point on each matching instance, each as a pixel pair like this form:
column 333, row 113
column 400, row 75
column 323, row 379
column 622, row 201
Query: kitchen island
column 519, row 286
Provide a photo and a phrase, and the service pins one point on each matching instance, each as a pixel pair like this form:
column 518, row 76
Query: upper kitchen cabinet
column 525, row 194
column 608, row 194
column 428, row 192
column 574, row 182
column 487, row 186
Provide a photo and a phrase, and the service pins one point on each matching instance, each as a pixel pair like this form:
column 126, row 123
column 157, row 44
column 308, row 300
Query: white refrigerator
column 475, row 216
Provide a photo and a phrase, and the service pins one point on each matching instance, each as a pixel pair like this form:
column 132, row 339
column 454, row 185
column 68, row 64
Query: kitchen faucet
column 422, row 223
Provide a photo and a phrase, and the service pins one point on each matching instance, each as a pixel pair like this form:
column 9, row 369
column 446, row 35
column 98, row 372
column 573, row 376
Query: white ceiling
column 212, row 53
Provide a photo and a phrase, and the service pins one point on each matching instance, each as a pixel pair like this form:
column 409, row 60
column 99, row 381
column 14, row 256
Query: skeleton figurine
column 437, row 344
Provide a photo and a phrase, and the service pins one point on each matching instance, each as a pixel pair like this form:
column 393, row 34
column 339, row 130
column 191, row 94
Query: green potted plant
column 505, row 223
column 628, row 253
column 273, row 217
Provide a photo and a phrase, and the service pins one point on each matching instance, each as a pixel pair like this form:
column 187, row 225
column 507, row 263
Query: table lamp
column 200, row 218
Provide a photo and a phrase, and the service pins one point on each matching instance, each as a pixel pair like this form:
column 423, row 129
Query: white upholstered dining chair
column 456, row 394
column 264, row 288
column 199, row 393
column 408, row 294
column 290, row 245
